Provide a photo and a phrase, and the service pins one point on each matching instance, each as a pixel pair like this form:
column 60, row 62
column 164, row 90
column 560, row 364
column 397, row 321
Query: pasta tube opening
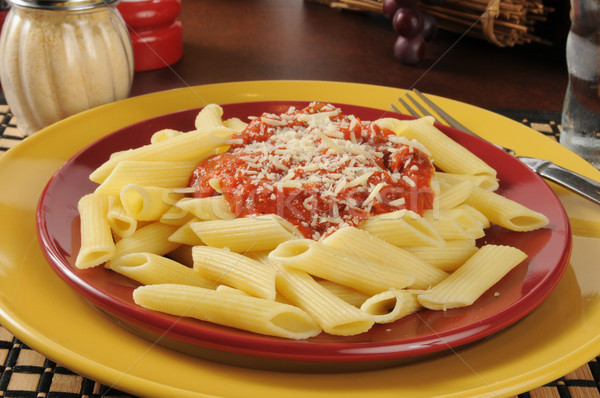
column 293, row 322
column 94, row 256
column 391, row 305
column 527, row 222
column 351, row 328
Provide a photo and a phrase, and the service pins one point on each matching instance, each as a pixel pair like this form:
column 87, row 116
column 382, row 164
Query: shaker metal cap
column 62, row 4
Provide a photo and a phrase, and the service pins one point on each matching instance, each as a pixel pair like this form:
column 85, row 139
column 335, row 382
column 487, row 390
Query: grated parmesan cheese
column 320, row 169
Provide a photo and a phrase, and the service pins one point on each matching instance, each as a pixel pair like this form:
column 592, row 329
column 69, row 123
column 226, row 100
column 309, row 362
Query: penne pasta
column 391, row 305
column 208, row 117
column 448, row 155
column 477, row 275
column 186, row 235
column 235, row 124
column 150, row 269
column 146, row 173
column 361, row 244
column 480, row 181
column 97, row 245
column 121, row 223
column 454, row 224
column 476, row 214
column 349, row 295
column 336, row 265
column 449, row 257
column 334, row 315
column 164, row 134
column 403, row 228
column 235, row 270
column 455, row 194
column 230, row 309
column 152, row 238
column 205, row 209
column 506, row 212
column 193, row 146
column 246, row 234
column 146, row 203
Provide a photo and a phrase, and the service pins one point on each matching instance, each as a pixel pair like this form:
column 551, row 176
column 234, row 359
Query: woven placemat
column 28, row 374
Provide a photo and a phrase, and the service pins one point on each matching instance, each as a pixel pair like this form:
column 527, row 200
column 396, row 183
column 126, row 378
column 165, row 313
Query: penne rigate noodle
column 447, row 258
column 391, row 305
column 97, row 244
column 192, row 146
column 334, row 315
column 121, row 223
column 403, row 228
column 209, row 116
column 229, row 289
column 246, row 234
column 476, row 214
column 478, row 180
column 147, row 203
column 235, row 124
column 477, row 275
column 349, row 295
column 186, row 235
column 448, row 155
column 150, row 269
column 164, row 134
column 146, row 173
column 506, row 212
column 152, row 238
column 361, row 244
column 454, row 195
column 454, row 224
column 235, row 270
column 336, row 265
column 206, row 209
column 235, row 310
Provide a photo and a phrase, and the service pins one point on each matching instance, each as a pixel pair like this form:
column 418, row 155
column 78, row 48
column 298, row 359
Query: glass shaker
column 61, row 57
column 581, row 110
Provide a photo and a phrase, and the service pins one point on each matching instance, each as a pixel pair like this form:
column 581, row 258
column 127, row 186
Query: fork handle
column 577, row 183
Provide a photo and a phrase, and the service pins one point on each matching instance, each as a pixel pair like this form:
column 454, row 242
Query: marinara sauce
column 319, row 169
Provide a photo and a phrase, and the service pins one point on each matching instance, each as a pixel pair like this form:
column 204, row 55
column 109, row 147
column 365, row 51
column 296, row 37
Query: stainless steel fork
column 577, row 183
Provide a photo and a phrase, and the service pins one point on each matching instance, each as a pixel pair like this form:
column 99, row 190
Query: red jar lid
column 155, row 32
column 154, row 49
column 149, row 14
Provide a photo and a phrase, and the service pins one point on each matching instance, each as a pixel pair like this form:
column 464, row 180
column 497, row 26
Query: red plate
column 415, row 336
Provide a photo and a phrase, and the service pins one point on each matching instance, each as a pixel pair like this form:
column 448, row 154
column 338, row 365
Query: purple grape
column 389, row 8
column 408, row 22
column 409, row 50
column 429, row 26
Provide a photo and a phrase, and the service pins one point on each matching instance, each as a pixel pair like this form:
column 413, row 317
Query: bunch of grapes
column 413, row 27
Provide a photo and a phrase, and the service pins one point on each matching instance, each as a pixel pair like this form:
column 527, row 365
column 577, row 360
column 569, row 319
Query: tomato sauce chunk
column 319, row 169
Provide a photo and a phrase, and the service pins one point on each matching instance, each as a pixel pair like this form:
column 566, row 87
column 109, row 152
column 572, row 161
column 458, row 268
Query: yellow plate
column 35, row 305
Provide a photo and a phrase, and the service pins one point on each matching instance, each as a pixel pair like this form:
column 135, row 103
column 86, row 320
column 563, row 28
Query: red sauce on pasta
column 319, row 169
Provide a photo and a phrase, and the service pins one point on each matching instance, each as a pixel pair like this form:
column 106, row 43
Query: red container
column 155, row 31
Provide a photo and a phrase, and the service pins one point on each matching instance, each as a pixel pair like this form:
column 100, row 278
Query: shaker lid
column 62, row 4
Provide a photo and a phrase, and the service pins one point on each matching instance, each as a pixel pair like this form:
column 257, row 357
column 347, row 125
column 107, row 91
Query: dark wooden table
column 238, row 40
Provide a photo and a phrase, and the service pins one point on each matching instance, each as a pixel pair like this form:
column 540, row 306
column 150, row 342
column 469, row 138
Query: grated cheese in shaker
column 61, row 57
